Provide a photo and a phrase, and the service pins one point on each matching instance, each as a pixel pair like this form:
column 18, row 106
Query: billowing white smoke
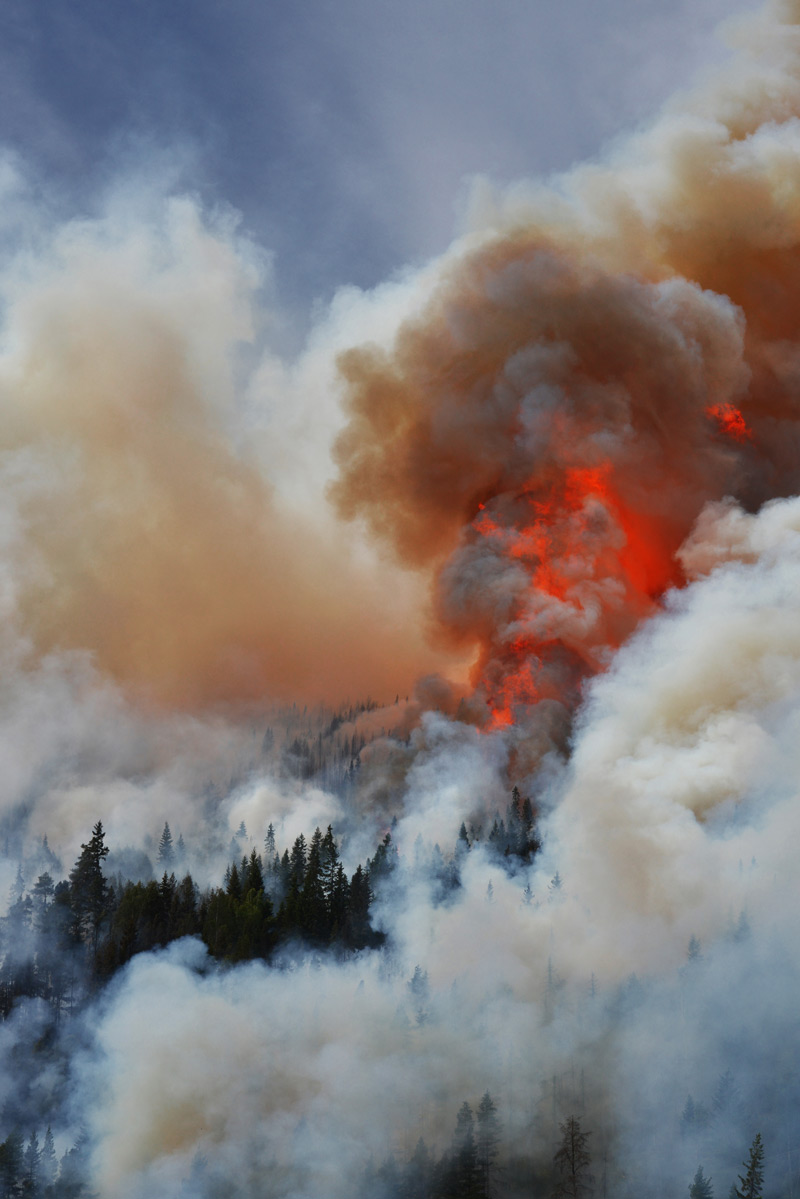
column 677, row 812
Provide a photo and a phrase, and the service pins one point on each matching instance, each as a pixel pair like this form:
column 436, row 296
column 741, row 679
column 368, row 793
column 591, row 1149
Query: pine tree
column 233, row 886
column 329, row 863
column 11, row 1165
column 269, row 846
column 90, row 894
column 44, row 889
column 572, row 1160
column 314, row 908
column 297, row 861
column 31, row 1164
column 487, row 1143
column 254, row 878
column 701, row 1188
column 726, row 1095
column 166, row 849
column 18, row 886
column 419, row 994
column 465, row 1155
column 751, row 1184
column 47, row 1164
column 416, row 1176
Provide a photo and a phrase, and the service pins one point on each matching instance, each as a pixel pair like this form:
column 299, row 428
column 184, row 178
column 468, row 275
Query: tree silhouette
column 701, row 1188
column 487, row 1142
column 751, row 1184
column 572, row 1160
column 90, row 894
column 166, row 849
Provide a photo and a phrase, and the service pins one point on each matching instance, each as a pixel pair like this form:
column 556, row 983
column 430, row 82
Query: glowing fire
column 730, row 421
column 583, row 548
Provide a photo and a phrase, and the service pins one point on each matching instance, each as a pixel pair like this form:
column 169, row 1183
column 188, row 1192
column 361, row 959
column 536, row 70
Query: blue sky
column 345, row 133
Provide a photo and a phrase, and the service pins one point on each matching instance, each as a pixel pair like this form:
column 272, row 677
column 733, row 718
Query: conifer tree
column 572, row 1160
column 254, row 878
column 329, row 861
column 47, row 1164
column 465, row 1155
column 297, row 862
column 314, row 908
column 701, row 1188
column 416, row 1176
column 233, row 886
column 751, row 1184
column 166, row 849
column 90, row 894
column 487, row 1142
column 269, row 846
column 43, row 890
column 726, row 1095
column 11, row 1165
column 31, row 1163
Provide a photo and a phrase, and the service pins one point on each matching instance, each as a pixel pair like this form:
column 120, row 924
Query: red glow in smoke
column 730, row 421
column 578, row 529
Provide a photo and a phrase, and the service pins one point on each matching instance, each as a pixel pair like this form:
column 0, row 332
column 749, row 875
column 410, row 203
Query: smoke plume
column 580, row 428
column 592, row 366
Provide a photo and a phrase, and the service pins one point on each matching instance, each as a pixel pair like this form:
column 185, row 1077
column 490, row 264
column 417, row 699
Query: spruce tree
column 31, row 1165
column 572, row 1160
column 269, row 845
column 90, row 895
column 726, row 1096
column 11, row 1165
column 48, row 1164
column 750, row 1186
column 254, row 878
column 701, row 1188
column 465, row 1155
column 487, row 1142
column 166, row 849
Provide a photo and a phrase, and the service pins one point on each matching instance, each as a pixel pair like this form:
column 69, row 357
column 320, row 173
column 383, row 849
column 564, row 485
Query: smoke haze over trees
column 399, row 742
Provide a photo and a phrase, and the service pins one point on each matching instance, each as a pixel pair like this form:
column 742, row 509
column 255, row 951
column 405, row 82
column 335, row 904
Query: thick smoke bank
column 137, row 521
column 678, row 813
column 582, row 424
column 590, row 369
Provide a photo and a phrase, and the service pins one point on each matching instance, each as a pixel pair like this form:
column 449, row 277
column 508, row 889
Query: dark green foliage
column 90, row 896
column 11, row 1165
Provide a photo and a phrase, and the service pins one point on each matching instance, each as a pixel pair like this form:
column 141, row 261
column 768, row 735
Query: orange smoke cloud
column 134, row 526
column 588, row 373
column 540, row 435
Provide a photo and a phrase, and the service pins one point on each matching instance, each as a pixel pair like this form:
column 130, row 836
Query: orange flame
column 730, row 421
column 556, row 546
